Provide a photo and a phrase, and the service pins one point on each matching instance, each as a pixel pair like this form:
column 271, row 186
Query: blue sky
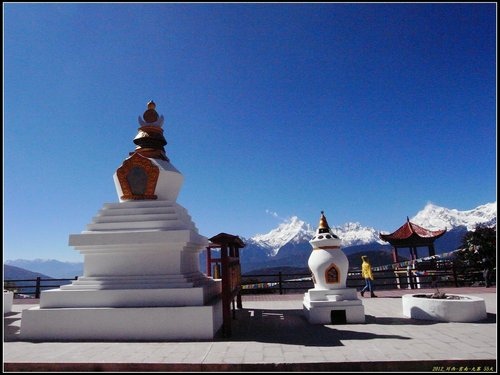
column 366, row 111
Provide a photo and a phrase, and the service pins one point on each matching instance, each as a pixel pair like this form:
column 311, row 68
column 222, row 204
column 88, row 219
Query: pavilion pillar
column 226, row 293
column 395, row 254
column 432, row 251
column 209, row 262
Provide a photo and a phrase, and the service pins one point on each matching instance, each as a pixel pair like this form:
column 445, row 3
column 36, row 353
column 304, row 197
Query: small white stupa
column 142, row 278
column 330, row 302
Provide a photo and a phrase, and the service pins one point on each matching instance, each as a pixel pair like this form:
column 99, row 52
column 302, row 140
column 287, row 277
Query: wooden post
column 239, row 304
column 454, row 270
column 408, row 277
column 395, row 254
column 432, row 251
column 279, row 283
column 209, row 261
column 226, row 292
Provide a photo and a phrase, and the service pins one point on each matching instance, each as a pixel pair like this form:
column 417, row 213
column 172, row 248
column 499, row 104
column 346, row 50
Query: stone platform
column 270, row 333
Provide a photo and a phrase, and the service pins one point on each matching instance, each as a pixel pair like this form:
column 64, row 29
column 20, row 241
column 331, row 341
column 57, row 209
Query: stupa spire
column 323, row 223
column 149, row 139
column 150, row 115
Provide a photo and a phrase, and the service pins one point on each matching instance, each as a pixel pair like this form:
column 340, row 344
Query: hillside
column 27, row 287
column 377, row 258
column 17, row 273
column 53, row 268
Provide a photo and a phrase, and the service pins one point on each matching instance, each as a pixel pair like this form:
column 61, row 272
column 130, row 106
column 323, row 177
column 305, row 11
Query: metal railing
column 31, row 288
column 293, row 282
column 395, row 279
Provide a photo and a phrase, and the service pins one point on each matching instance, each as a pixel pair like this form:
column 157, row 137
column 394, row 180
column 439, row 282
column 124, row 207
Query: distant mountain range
column 16, row 273
column 42, row 267
column 288, row 244
column 26, row 288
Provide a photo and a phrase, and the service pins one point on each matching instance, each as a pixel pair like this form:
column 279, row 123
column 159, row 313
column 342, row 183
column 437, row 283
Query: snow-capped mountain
column 433, row 217
column 288, row 244
column 292, row 230
column 354, row 234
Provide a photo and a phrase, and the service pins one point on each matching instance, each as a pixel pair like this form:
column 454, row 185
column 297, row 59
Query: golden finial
column 322, row 221
column 150, row 115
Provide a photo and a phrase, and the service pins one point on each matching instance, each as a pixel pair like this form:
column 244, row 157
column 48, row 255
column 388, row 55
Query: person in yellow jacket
column 366, row 273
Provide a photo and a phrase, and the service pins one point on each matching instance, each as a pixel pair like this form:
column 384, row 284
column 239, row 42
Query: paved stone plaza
column 271, row 333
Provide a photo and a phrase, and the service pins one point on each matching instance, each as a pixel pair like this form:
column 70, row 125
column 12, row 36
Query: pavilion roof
column 227, row 239
column 412, row 234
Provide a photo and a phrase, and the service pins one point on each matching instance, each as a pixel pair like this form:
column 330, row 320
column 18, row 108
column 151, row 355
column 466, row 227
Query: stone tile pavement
column 270, row 333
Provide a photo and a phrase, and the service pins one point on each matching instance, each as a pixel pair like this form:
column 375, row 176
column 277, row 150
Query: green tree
column 482, row 241
column 476, row 245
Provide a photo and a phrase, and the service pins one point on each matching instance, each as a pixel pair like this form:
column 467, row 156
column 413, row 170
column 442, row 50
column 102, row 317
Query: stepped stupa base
column 123, row 323
column 91, row 310
column 333, row 306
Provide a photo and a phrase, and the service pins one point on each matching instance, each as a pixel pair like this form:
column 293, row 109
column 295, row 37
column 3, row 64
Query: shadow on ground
column 291, row 327
column 11, row 326
column 370, row 319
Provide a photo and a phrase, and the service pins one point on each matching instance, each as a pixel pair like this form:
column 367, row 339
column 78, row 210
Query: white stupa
column 141, row 276
column 330, row 302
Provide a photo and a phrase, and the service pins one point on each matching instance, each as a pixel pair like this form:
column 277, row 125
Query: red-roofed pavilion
column 411, row 236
